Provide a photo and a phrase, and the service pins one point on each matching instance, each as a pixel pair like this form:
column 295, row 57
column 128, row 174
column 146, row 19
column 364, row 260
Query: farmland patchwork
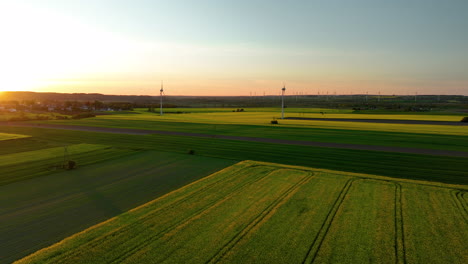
column 255, row 212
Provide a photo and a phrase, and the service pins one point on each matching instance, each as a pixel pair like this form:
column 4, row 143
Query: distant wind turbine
column 161, row 92
column 282, row 100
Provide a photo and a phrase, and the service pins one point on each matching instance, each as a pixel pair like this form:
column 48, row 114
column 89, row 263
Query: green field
column 57, row 205
column 407, row 214
column 268, row 213
column 257, row 124
column 423, row 167
column 5, row 136
column 29, row 164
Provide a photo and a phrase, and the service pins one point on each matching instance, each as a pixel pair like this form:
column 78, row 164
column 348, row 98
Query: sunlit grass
column 7, row 136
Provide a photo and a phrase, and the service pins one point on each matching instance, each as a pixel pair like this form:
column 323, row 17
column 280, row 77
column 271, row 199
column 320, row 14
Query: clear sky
column 234, row 47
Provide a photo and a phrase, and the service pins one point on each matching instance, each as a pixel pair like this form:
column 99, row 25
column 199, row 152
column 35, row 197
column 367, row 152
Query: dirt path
column 129, row 131
column 384, row 121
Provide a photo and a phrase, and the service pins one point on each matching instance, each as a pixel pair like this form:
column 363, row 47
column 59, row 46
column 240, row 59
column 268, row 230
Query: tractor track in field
column 459, row 199
column 130, row 131
column 258, row 219
column 110, row 235
column 400, row 250
column 130, row 251
column 317, row 243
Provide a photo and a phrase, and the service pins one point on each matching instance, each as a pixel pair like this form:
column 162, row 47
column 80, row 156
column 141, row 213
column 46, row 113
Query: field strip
column 367, row 216
column 8, row 136
column 249, row 203
column 154, row 213
column 459, row 199
column 95, row 241
column 315, row 246
column 259, row 212
column 269, row 210
column 435, row 152
column 35, row 155
column 435, row 227
column 450, row 186
column 184, row 221
column 128, row 251
column 52, row 161
column 400, row 251
column 384, row 121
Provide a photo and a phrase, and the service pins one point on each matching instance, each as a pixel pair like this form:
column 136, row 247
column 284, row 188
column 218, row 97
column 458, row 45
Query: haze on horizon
column 234, row 47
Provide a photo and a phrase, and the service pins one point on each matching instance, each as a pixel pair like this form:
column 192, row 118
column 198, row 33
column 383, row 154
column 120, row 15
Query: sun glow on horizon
column 40, row 46
column 110, row 48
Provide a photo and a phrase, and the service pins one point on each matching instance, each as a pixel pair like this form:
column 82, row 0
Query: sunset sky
column 234, row 47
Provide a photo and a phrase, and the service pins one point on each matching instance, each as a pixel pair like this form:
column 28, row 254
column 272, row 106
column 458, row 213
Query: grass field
column 5, row 136
column 268, row 213
column 54, row 206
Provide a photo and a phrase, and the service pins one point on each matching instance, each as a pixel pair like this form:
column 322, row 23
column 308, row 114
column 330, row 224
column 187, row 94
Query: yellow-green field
column 7, row 136
column 256, row 212
column 30, row 156
column 263, row 118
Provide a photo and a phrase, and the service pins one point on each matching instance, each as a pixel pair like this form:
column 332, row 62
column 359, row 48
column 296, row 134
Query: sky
column 234, row 47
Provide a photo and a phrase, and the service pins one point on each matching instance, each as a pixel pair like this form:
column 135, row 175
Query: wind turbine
column 282, row 100
column 161, row 92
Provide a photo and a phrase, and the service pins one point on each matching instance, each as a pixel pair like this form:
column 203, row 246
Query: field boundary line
column 279, row 201
column 459, row 186
column 317, row 243
column 182, row 222
column 460, row 201
column 400, row 249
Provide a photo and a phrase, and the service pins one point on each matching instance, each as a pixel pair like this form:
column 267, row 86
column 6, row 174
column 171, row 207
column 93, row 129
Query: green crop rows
column 29, row 164
column 56, row 205
column 257, row 124
column 263, row 213
column 252, row 212
column 423, row 167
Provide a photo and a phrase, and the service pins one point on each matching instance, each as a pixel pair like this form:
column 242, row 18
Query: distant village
column 79, row 103
column 66, row 107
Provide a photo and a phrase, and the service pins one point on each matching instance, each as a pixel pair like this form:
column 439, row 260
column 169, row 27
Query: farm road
column 434, row 152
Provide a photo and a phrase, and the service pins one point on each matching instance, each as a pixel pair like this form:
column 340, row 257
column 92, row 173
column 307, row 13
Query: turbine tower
column 161, row 97
column 282, row 100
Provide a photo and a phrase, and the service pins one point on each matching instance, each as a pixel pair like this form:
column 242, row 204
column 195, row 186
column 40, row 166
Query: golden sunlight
column 40, row 45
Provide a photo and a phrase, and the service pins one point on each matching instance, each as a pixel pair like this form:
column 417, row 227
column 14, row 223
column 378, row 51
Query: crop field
column 256, row 212
column 423, row 167
column 59, row 204
column 257, row 124
column 291, row 213
column 258, row 116
column 6, row 136
column 29, row 164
